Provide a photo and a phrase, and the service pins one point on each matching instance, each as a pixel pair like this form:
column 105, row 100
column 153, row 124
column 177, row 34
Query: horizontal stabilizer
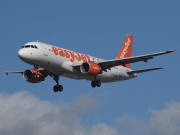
column 143, row 70
column 7, row 72
column 21, row 72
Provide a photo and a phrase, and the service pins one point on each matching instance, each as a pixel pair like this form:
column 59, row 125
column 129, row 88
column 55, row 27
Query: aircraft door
column 45, row 50
column 45, row 60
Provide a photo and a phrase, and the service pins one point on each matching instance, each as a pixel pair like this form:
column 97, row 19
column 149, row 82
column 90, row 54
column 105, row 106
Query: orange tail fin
column 126, row 49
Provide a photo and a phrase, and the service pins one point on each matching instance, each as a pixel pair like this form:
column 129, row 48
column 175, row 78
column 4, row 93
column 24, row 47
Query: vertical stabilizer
column 126, row 49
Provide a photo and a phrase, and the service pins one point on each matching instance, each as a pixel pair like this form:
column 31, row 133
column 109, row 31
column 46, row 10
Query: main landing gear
column 96, row 83
column 57, row 87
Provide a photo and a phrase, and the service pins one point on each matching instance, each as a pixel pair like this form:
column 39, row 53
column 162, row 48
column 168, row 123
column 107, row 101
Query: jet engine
column 90, row 68
column 33, row 76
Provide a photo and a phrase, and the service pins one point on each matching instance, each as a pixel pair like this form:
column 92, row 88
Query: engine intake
column 33, row 76
column 90, row 68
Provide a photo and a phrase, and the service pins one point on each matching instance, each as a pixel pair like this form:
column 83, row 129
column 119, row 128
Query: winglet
column 174, row 51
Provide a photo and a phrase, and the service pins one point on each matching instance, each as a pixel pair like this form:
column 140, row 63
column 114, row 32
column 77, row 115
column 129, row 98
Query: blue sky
column 97, row 28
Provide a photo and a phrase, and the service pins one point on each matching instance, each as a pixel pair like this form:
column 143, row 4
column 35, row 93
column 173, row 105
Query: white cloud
column 103, row 129
column 22, row 113
column 166, row 121
column 160, row 122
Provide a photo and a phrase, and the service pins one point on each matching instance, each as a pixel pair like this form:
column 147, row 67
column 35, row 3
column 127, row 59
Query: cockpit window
column 30, row 46
column 27, row 46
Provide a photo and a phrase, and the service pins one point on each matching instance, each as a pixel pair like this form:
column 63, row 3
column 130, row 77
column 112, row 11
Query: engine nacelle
column 90, row 68
column 33, row 76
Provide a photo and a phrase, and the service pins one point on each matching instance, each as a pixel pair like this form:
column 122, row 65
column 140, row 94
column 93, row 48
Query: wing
column 107, row 64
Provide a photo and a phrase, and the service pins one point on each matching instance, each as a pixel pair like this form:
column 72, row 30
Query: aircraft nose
column 22, row 54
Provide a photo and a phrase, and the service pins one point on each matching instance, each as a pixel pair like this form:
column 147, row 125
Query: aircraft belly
column 77, row 76
column 113, row 75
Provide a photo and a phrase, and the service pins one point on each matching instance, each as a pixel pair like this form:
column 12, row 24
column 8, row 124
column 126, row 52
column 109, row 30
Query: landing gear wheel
column 98, row 83
column 93, row 84
column 60, row 88
column 57, row 88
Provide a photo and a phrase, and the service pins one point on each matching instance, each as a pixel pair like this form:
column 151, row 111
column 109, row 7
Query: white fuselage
column 60, row 61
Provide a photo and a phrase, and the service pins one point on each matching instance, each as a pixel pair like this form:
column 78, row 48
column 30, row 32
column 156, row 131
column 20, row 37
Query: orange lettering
column 72, row 56
column 83, row 58
column 87, row 57
column 78, row 57
column 55, row 50
column 67, row 54
column 61, row 53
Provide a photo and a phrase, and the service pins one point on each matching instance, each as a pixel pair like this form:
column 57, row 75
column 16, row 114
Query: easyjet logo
column 72, row 56
column 125, row 48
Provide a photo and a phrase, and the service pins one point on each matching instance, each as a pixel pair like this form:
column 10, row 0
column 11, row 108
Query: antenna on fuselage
column 37, row 41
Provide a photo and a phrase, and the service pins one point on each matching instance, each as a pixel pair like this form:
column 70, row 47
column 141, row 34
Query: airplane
column 53, row 61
